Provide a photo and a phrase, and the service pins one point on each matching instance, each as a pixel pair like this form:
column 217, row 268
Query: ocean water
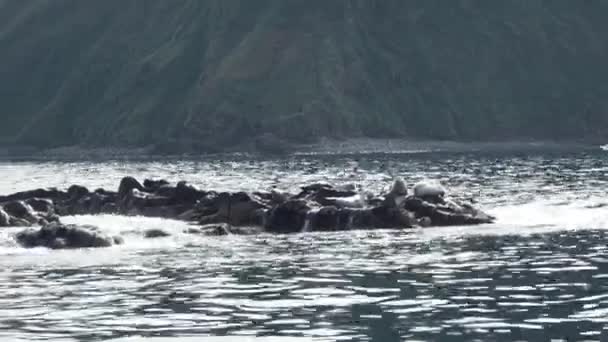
column 539, row 273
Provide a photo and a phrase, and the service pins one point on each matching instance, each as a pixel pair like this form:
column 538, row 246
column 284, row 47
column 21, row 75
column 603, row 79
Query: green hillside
column 207, row 74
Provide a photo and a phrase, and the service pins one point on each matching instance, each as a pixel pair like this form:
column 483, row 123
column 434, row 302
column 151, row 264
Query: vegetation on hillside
column 216, row 73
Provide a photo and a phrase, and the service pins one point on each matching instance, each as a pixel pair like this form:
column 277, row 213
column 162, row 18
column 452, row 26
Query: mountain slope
column 215, row 73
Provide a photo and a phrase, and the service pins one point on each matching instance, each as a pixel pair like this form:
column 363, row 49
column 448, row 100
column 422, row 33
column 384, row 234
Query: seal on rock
column 397, row 194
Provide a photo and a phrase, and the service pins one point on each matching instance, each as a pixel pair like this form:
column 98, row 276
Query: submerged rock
column 61, row 236
column 155, row 233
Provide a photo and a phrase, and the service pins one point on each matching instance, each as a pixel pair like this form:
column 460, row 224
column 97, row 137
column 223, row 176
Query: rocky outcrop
column 317, row 207
column 22, row 213
column 60, row 236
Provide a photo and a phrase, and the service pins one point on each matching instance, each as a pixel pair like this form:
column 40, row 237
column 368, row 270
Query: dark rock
column 325, row 190
column 288, row 217
column 446, row 214
column 188, row 215
column 51, row 193
column 105, row 192
column 168, row 211
column 272, row 198
column 138, row 201
column 152, row 185
column 324, row 194
column 127, row 184
column 165, row 191
column 315, row 187
column 17, row 222
column 420, row 207
column 89, row 204
column 76, row 192
column 20, row 210
column 325, row 219
column 43, row 205
column 236, row 209
column 5, row 219
column 186, row 193
column 392, row 217
column 155, row 233
column 60, row 236
column 109, row 208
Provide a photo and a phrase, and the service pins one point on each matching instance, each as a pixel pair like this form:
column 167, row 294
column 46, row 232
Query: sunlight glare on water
column 538, row 273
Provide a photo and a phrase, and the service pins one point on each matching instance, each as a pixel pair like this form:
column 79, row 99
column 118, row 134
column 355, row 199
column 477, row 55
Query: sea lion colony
column 317, row 207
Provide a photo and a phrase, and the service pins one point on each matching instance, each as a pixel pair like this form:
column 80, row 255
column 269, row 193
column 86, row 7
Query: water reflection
column 499, row 288
column 539, row 274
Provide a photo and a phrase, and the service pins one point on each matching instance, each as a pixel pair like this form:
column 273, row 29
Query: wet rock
column 127, row 184
column 236, row 209
column 17, row 222
column 392, row 217
column 5, row 219
column 188, row 215
column 223, row 229
column 51, row 193
column 20, row 210
column 76, row 192
column 324, row 219
column 43, row 205
column 447, row 214
column 325, row 194
column 272, row 198
column 109, row 208
column 155, row 233
column 288, row 217
column 139, row 202
column 220, row 229
column 165, row 191
column 60, row 236
column 186, row 193
column 151, row 185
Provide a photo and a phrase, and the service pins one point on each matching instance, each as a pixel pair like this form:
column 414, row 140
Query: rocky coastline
column 317, row 207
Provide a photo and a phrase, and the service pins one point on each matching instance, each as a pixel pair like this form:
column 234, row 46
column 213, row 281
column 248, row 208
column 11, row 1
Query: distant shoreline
column 323, row 147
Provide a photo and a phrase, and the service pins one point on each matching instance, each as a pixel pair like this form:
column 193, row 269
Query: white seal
column 423, row 189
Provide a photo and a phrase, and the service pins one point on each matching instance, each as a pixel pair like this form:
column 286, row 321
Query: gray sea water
column 539, row 273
